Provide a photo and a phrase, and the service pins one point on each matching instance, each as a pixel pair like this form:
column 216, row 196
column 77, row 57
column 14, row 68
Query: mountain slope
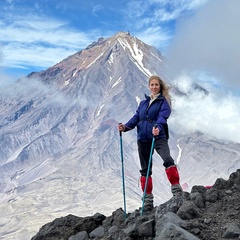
column 59, row 143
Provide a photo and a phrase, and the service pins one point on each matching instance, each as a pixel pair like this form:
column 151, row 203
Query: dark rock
column 97, row 233
column 146, row 229
column 199, row 189
column 212, row 195
column 80, row 236
column 189, row 211
column 197, row 198
column 232, row 230
column 169, row 217
column 65, row 227
column 171, row 231
column 206, row 214
column 222, row 184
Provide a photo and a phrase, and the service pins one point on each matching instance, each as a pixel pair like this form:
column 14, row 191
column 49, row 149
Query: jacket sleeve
column 132, row 123
column 163, row 115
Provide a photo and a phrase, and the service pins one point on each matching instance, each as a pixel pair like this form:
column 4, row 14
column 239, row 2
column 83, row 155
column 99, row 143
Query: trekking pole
column 148, row 170
column 123, row 181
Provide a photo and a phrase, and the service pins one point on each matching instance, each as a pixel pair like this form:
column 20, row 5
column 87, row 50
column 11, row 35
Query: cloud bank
column 153, row 21
column 28, row 41
column 215, row 113
column 209, row 41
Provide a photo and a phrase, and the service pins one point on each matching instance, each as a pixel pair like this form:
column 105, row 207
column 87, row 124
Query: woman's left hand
column 155, row 131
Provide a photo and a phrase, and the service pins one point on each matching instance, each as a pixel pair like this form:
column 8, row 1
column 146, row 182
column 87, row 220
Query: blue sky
column 194, row 35
column 36, row 34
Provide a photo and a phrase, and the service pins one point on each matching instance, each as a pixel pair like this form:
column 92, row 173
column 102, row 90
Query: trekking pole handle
column 120, row 132
column 155, row 126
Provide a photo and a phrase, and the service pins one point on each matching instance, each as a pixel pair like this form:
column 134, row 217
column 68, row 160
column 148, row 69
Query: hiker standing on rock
column 151, row 121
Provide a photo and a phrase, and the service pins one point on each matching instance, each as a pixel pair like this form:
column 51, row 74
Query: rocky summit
column 208, row 213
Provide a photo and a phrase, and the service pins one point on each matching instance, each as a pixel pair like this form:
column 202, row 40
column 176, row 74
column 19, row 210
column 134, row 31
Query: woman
column 151, row 121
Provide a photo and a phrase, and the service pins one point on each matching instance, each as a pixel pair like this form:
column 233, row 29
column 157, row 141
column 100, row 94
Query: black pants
column 161, row 147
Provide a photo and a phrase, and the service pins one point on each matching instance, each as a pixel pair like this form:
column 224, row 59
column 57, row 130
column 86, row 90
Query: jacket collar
column 160, row 96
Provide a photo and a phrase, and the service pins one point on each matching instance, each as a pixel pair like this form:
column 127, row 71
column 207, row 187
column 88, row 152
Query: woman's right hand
column 121, row 127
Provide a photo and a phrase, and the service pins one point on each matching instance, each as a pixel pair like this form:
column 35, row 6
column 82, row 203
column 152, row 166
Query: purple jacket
column 147, row 116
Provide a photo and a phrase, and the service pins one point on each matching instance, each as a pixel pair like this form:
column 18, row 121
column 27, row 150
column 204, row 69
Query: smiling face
column 154, row 86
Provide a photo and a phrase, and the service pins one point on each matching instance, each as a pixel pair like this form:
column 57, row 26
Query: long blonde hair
column 164, row 88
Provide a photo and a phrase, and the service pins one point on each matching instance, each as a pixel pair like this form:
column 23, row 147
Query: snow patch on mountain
column 179, row 153
column 136, row 54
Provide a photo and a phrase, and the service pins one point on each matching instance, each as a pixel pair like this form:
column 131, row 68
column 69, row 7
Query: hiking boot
column 148, row 202
column 177, row 194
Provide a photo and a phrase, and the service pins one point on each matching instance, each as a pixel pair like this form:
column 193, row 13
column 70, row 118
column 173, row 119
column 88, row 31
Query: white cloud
column 157, row 11
column 209, row 41
column 151, row 18
column 152, row 37
column 5, row 80
column 96, row 9
column 20, row 56
column 216, row 114
column 37, row 42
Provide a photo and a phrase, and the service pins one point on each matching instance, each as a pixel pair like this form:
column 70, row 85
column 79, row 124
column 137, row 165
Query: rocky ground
column 208, row 214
